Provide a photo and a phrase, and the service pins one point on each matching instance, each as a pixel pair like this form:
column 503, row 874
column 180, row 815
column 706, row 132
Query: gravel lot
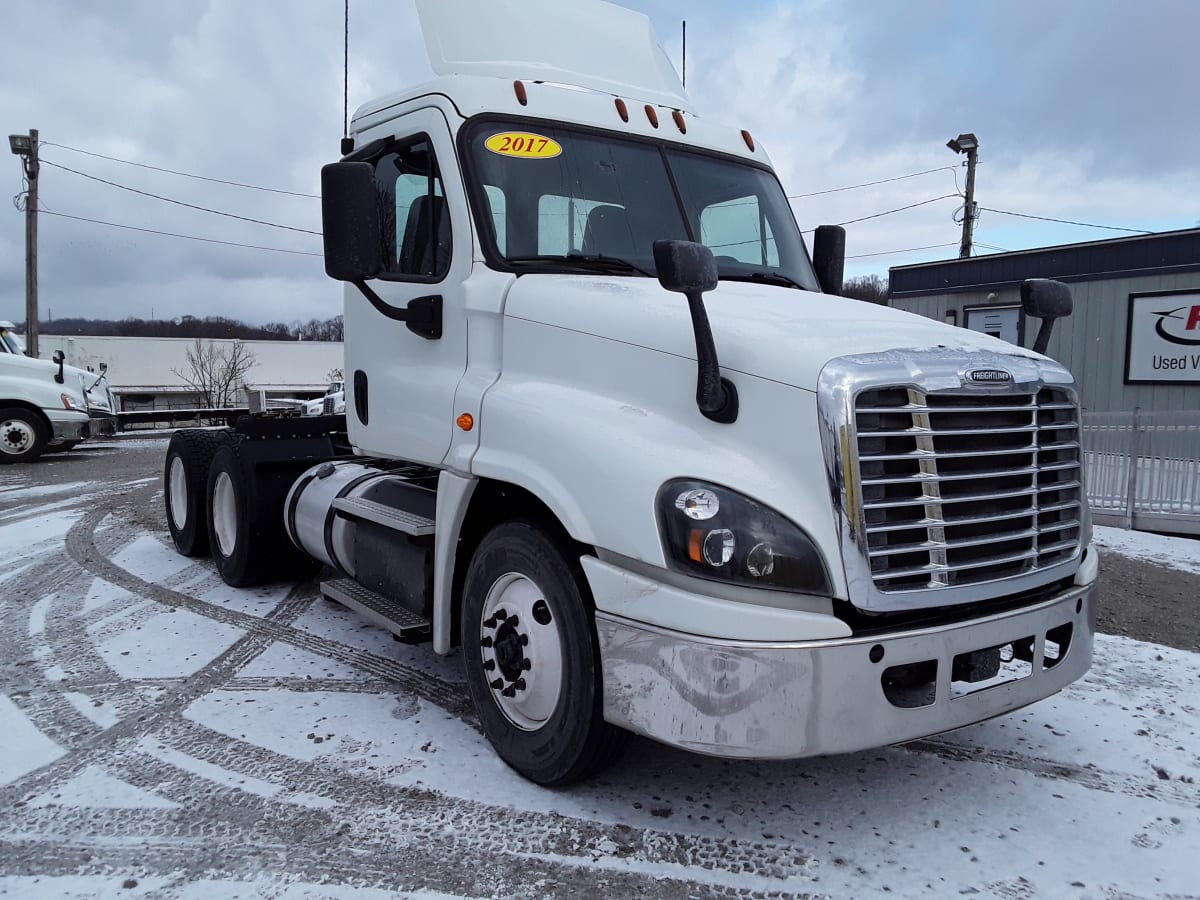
column 167, row 736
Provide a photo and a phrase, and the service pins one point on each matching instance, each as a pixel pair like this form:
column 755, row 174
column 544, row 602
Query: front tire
column 23, row 436
column 532, row 659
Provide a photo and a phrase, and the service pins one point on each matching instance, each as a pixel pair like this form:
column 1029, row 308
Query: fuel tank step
column 387, row 516
column 399, row 620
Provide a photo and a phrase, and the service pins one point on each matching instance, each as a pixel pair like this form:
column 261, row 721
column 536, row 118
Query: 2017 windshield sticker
column 524, row 145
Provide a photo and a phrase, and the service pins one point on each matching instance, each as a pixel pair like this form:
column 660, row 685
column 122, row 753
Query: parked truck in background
column 43, row 404
column 610, row 432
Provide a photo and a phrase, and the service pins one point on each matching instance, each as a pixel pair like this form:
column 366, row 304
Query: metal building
column 1134, row 339
column 1133, row 344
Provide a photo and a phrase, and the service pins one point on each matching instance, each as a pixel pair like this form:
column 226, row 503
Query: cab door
column 400, row 377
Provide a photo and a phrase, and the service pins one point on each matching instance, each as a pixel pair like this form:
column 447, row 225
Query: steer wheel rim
column 16, row 436
column 224, row 514
column 522, row 651
column 178, row 487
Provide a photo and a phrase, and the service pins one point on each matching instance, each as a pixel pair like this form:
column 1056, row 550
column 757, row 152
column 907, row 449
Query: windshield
column 568, row 200
column 10, row 343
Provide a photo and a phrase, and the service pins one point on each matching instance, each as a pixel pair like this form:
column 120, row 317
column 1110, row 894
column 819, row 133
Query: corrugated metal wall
column 1092, row 342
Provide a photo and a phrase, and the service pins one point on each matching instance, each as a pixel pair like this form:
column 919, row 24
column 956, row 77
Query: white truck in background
column 756, row 521
column 43, row 404
column 332, row 403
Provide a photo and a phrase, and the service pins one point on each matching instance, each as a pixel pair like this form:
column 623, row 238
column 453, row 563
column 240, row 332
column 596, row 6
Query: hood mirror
column 688, row 268
column 1048, row 300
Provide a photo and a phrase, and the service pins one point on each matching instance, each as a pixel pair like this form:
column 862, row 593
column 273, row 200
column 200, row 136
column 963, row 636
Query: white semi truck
column 43, row 404
column 756, row 520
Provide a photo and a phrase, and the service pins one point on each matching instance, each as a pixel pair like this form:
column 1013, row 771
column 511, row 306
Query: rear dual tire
column 185, row 484
column 246, row 532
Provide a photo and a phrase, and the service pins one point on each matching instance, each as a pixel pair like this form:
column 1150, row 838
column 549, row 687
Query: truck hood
column 782, row 334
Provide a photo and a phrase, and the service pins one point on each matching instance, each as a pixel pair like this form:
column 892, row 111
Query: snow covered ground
column 165, row 736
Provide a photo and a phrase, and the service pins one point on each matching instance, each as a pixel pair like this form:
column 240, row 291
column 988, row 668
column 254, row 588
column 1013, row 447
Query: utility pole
column 26, row 147
column 968, row 144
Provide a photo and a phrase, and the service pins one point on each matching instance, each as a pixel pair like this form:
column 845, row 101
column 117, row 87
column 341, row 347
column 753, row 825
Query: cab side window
column 416, row 219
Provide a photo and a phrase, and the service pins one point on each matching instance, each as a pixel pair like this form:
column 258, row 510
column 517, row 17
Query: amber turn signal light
column 466, row 421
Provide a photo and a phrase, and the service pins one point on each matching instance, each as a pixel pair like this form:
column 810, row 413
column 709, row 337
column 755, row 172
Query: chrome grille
column 964, row 488
column 327, row 406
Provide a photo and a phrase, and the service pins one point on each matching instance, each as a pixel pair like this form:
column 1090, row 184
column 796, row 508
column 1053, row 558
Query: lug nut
column 486, row 642
column 510, row 691
column 497, row 684
column 526, row 665
column 489, row 664
column 518, row 685
column 501, row 614
column 523, row 639
column 512, row 620
column 489, row 623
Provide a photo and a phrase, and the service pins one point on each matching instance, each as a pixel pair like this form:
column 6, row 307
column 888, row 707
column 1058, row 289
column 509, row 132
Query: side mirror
column 829, row 257
column 1048, row 300
column 60, row 358
column 690, row 269
column 350, row 221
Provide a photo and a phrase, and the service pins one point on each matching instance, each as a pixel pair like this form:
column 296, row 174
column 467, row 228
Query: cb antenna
column 684, row 52
column 347, row 141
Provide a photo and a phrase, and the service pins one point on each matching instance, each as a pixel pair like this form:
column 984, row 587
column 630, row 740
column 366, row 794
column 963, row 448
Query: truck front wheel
column 22, row 435
column 532, row 661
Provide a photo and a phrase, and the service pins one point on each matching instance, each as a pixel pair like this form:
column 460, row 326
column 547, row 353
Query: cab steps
column 406, row 625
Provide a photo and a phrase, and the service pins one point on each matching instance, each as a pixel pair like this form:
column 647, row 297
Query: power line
column 992, row 247
column 851, row 187
column 908, row 250
column 130, row 162
column 190, row 237
column 215, row 212
column 888, row 212
column 1005, row 212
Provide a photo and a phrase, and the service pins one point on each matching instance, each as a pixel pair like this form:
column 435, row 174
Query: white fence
column 1161, row 492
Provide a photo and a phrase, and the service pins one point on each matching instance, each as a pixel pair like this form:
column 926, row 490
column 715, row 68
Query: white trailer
column 757, row 520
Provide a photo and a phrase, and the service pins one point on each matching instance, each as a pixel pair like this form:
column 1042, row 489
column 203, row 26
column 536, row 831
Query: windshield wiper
column 765, row 278
column 587, row 263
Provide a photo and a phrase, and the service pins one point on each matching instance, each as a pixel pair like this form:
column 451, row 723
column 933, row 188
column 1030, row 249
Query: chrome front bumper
column 69, row 426
column 782, row 700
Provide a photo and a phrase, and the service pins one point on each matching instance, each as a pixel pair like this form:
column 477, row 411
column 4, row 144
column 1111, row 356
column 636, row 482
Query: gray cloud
column 1084, row 108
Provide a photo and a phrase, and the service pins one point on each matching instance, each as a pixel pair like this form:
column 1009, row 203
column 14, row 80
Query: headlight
column 70, row 402
column 712, row 532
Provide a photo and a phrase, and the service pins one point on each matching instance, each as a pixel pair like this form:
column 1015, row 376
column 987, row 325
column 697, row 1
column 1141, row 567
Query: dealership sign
column 1163, row 340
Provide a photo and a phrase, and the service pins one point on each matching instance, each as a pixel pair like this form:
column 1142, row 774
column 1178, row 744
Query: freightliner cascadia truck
column 611, row 435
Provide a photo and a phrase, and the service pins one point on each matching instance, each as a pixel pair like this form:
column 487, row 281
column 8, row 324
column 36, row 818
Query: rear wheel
column 245, row 524
column 185, row 482
column 531, row 656
column 23, row 435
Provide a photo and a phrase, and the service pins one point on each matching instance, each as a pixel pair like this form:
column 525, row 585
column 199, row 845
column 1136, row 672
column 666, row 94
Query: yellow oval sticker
column 524, row 145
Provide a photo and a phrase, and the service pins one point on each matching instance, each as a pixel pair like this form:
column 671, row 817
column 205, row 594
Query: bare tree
column 871, row 288
column 216, row 372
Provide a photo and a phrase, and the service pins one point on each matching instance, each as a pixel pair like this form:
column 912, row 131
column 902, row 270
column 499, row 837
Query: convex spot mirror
column 350, row 221
column 1045, row 298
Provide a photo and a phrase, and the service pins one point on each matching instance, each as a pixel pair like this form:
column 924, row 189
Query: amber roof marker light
column 652, row 115
column 519, row 90
column 749, row 140
column 622, row 110
column 679, row 123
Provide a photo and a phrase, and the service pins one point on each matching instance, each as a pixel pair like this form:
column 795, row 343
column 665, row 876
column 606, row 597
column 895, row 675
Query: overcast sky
column 1085, row 110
